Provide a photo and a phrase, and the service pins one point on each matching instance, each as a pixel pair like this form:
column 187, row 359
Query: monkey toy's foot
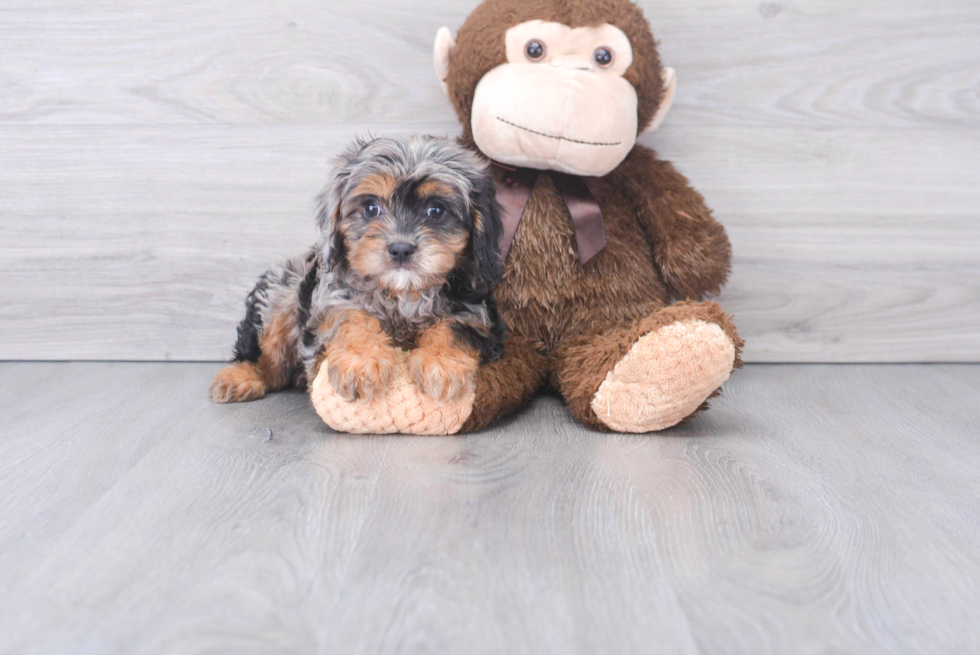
column 499, row 389
column 401, row 408
column 667, row 375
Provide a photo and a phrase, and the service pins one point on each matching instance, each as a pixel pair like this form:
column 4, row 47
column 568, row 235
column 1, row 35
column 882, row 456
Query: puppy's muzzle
column 401, row 252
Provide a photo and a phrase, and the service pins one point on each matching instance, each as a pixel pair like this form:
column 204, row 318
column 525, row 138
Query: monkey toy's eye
column 435, row 212
column 535, row 50
column 372, row 209
column 603, row 57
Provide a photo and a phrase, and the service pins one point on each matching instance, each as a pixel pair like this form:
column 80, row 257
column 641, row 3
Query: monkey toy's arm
column 689, row 245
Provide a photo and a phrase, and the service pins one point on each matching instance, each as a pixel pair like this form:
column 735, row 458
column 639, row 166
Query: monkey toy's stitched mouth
column 557, row 138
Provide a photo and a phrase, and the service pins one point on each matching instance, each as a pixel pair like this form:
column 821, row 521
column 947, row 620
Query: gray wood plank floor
column 821, row 509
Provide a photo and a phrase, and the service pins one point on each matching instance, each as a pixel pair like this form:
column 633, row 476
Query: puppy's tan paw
column 442, row 374
column 361, row 376
column 237, row 383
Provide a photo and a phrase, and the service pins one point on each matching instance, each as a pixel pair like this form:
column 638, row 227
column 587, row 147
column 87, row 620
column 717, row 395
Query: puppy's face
column 411, row 214
column 404, row 233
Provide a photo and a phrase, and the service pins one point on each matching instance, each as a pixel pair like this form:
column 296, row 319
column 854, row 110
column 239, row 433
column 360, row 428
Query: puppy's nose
column 401, row 252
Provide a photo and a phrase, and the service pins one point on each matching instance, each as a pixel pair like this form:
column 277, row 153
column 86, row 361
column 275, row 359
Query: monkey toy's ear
column 444, row 46
column 670, row 88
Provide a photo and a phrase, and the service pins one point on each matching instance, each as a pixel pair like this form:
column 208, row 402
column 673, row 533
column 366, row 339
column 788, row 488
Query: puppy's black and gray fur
column 408, row 258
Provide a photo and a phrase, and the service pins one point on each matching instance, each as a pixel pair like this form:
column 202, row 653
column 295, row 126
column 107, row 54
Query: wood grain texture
column 826, row 63
column 141, row 243
column 814, row 509
column 156, row 158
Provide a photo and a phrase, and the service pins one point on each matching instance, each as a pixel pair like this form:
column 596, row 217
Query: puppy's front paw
column 442, row 374
column 237, row 383
column 361, row 376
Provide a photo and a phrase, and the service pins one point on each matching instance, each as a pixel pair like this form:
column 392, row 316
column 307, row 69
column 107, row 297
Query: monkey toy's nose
column 401, row 252
column 572, row 62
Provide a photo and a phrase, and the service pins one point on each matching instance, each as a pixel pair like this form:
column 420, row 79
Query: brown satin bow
column 514, row 190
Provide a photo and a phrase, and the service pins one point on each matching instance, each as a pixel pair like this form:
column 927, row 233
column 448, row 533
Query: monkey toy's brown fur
column 571, row 324
column 607, row 334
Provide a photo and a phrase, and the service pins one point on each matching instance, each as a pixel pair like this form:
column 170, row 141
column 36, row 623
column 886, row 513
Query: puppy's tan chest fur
column 547, row 294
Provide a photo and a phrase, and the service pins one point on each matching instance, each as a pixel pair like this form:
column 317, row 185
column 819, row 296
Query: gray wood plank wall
column 155, row 157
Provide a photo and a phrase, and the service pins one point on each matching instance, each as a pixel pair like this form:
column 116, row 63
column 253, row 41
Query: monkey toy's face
column 560, row 99
column 560, row 102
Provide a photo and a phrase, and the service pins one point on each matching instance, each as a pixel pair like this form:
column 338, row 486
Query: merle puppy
column 408, row 257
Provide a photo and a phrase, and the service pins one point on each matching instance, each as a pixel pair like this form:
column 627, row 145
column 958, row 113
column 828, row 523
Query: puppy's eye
column 435, row 212
column 372, row 209
column 604, row 57
column 535, row 50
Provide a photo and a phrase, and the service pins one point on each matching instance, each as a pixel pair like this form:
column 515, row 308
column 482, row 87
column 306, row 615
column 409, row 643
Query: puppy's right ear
column 327, row 217
column 327, row 212
column 329, row 204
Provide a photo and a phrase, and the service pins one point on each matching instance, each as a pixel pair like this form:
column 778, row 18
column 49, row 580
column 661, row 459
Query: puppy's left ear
column 487, row 229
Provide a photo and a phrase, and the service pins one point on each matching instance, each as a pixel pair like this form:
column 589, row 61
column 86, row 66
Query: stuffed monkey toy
column 608, row 249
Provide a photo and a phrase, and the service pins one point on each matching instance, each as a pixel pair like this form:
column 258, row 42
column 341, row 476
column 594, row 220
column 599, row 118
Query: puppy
column 408, row 258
